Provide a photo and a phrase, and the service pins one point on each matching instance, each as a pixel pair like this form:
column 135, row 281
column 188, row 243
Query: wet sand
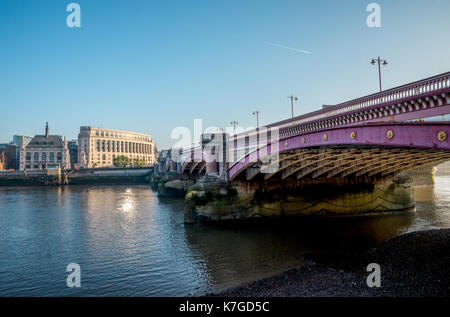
column 412, row 265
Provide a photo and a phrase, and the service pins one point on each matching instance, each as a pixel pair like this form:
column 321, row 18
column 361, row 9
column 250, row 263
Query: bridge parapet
column 422, row 99
column 414, row 101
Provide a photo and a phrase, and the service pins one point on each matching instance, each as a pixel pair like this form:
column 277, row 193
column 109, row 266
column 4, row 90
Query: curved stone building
column 99, row 147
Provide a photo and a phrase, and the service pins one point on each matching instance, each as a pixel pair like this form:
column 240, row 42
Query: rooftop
column 42, row 141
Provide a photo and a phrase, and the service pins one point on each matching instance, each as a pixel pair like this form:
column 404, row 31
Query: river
column 128, row 242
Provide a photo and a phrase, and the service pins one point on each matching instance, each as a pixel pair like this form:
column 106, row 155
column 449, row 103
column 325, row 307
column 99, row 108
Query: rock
column 174, row 188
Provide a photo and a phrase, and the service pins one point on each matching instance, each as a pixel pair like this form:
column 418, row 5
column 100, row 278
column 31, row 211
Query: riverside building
column 44, row 150
column 99, row 147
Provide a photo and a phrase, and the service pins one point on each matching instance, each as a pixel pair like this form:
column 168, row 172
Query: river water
column 128, row 242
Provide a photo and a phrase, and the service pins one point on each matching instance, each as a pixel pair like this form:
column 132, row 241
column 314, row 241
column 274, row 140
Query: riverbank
column 130, row 175
column 412, row 265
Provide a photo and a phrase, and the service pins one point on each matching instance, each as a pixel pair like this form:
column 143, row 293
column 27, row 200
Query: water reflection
column 433, row 204
column 233, row 256
column 127, row 203
column 424, row 193
column 129, row 242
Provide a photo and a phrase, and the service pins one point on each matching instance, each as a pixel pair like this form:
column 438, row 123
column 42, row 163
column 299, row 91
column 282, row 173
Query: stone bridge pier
column 240, row 199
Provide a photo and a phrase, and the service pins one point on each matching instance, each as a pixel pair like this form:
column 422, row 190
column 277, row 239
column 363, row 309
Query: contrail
column 290, row 48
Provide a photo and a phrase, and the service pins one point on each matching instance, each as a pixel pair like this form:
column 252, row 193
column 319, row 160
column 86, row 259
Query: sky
column 153, row 65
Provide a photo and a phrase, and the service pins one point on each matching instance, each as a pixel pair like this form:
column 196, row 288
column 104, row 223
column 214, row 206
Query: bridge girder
column 351, row 151
column 292, row 160
column 344, row 161
column 307, row 163
column 193, row 167
column 410, row 166
column 375, row 161
column 372, row 161
column 409, row 163
column 391, row 161
column 368, row 157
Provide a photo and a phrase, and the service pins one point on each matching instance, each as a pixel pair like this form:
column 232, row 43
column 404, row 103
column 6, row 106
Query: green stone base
column 324, row 197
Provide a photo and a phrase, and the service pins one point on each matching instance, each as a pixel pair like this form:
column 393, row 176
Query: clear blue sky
column 150, row 66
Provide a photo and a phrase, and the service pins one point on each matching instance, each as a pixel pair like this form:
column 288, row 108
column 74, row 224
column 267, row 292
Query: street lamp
column 293, row 98
column 380, row 62
column 234, row 123
column 257, row 118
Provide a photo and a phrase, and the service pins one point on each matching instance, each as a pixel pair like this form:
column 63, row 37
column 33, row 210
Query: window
column 36, row 156
column 52, row 157
column 44, row 157
column 98, row 145
column 28, row 157
column 59, row 157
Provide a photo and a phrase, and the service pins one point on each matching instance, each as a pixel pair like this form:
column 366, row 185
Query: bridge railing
column 410, row 90
column 417, row 88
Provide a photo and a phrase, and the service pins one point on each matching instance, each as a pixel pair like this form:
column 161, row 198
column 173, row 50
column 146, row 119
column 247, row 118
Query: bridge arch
column 193, row 166
column 369, row 150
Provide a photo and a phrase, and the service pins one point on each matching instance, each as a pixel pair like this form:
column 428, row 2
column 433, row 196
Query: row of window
column 104, row 157
column 107, row 160
column 122, row 136
column 44, row 156
column 124, row 147
column 36, row 166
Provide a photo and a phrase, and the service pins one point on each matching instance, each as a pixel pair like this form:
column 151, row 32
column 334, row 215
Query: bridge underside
column 343, row 162
column 373, row 151
column 193, row 168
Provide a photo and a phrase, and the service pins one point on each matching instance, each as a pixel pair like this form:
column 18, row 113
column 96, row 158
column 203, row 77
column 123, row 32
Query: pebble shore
column 416, row 264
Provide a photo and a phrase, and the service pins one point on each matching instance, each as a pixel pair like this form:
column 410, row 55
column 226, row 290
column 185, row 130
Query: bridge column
column 211, row 167
column 215, row 154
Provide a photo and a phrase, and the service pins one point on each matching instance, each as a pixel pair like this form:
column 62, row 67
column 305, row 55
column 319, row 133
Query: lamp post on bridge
column 234, row 123
column 293, row 98
column 380, row 62
column 257, row 118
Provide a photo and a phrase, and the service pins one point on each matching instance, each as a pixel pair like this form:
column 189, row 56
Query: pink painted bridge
column 382, row 134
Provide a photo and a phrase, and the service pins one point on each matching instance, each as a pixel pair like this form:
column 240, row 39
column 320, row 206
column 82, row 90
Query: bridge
column 365, row 140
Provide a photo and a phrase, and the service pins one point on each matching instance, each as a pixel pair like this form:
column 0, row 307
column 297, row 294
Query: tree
column 138, row 162
column 121, row 161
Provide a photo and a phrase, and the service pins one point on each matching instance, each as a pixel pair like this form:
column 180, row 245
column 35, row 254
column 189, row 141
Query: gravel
column 416, row 264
